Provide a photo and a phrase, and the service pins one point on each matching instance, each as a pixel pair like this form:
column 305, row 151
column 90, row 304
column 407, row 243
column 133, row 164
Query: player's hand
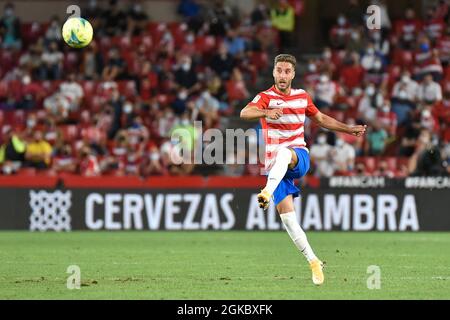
column 274, row 114
column 357, row 130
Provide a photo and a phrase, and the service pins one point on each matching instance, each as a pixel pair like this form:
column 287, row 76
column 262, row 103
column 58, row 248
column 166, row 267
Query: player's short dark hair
column 285, row 58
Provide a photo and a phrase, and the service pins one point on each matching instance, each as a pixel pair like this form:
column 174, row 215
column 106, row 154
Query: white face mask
column 182, row 95
column 339, row 142
column 186, row 66
column 31, row 123
column 370, row 91
column 185, row 122
column 405, row 79
column 127, row 108
column 154, row 156
column 386, row 109
column 323, row 78
column 312, row 67
column 26, row 80
column 342, row 21
column 322, row 140
column 327, row 55
column 370, row 51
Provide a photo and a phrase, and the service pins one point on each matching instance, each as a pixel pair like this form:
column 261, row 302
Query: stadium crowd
column 395, row 79
column 110, row 108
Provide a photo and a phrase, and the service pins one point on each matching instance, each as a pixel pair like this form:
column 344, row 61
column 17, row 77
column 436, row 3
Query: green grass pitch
column 222, row 265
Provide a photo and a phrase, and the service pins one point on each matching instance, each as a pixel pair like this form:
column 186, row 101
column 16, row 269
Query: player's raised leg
column 285, row 158
column 298, row 236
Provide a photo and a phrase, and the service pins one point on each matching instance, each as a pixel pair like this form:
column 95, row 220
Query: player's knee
column 284, row 154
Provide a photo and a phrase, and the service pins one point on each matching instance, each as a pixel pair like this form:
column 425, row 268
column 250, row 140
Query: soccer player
column 282, row 111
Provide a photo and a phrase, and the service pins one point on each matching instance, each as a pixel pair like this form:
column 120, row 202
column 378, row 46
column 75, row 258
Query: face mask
column 339, row 143
column 26, row 80
column 127, row 108
column 182, row 95
column 323, row 78
column 370, row 91
column 405, row 79
column 312, row 67
column 322, row 140
column 154, row 156
column 31, row 123
column 386, row 109
column 377, row 65
column 327, row 55
column 185, row 122
column 190, row 38
column 355, row 36
column 426, row 114
column 137, row 8
column 370, row 51
column 186, row 66
column 342, row 21
column 357, row 92
column 206, row 95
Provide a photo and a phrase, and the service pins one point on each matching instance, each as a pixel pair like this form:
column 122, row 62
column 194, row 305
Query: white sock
column 297, row 235
column 279, row 168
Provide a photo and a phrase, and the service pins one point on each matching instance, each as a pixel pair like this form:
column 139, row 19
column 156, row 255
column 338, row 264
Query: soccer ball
column 77, row 32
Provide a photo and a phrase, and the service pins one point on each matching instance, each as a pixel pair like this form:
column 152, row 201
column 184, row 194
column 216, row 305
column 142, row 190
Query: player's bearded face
column 283, row 73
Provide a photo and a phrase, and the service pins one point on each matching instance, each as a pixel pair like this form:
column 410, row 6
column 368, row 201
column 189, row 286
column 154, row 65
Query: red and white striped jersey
column 288, row 130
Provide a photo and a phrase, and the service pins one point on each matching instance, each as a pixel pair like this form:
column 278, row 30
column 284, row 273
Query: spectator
column 406, row 30
column 352, row 73
column 52, row 60
column 430, row 92
column 38, row 152
column 260, row 14
column 115, row 66
column 63, row 160
column 387, row 118
column 114, row 19
column 88, row 164
column 344, row 157
column 340, row 33
column 10, row 28
column 383, row 170
column 137, row 19
column 154, row 165
column 206, row 109
column 322, row 157
column 53, row 33
column 404, row 96
column 369, row 104
column 235, row 43
column 223, row 62
column 12, row 151
column 185, row 75
column 283, row 19
column 354, row 13
column 376, row 140
column 325, row 92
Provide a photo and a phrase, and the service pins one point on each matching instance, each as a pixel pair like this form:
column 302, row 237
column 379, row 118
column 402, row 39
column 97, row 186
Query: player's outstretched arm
column 254, row 113
column 332, row 124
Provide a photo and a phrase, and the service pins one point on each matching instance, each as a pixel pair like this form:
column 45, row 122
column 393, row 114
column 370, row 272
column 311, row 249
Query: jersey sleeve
column 260, row 100
column 311, row 109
